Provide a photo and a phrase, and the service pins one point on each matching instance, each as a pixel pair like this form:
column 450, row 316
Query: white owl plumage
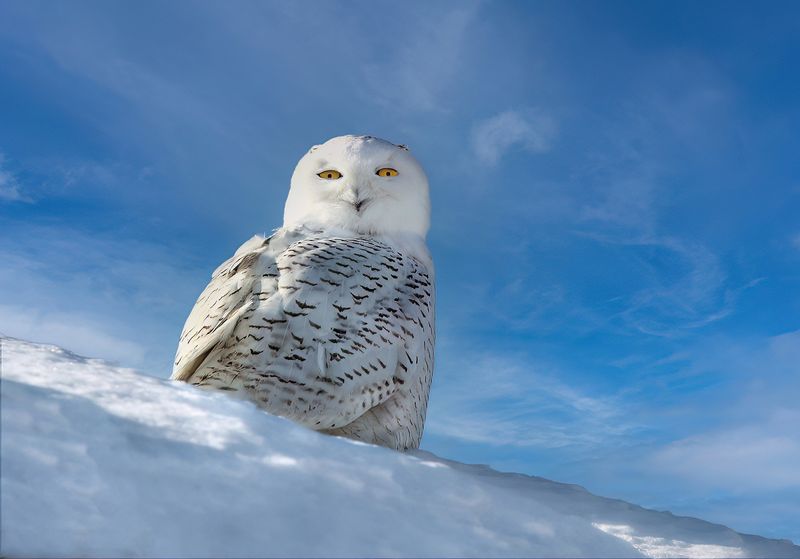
column 329, row 321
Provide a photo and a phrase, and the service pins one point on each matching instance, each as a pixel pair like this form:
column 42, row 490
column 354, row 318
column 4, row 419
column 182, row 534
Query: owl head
column 362, row 184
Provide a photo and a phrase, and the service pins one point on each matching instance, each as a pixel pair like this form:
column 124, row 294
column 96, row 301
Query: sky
column 615, row 190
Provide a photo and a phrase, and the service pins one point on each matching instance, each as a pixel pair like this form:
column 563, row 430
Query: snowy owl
column 330, row 321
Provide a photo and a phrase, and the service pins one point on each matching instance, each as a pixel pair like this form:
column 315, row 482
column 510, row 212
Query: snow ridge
column 99, row 460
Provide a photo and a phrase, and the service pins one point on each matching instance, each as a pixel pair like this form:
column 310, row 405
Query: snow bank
column 103, row 461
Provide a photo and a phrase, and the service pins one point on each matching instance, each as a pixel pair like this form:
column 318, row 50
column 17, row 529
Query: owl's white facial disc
column 357, row 198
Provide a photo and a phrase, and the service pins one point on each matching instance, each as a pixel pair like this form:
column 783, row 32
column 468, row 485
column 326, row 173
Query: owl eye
column 330, row 174
column 387, row 172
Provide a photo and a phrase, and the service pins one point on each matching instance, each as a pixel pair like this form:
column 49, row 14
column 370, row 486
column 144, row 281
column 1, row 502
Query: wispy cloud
column 753, row 444
column 656, row 285
column 418, row 73
column 527, row 129
column 497, row 399
column 761, row 456
column 79, row 331
column 10, row 189
column 687, row 287
column 679, row 285
column 108, row 297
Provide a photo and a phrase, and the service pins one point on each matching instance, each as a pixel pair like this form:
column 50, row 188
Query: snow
column 104, row 461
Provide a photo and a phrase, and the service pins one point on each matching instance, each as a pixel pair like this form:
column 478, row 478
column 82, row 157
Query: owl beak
column 352, row 197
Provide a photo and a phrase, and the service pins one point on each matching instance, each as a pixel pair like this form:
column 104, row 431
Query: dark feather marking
column 295, row 314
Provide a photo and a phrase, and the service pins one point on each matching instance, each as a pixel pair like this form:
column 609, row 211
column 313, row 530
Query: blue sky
column 615, row 187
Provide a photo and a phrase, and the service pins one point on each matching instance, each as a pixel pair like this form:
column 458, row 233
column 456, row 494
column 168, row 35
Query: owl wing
column 319, row 330
column 215, row 314
column 400, row 324
column 350, row 320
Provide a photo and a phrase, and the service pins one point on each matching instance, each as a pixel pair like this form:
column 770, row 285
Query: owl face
column 360, row 183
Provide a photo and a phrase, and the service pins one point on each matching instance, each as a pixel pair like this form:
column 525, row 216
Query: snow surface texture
column 103, row 461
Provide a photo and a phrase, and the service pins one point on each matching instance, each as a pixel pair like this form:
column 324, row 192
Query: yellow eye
column 387, row 172
column 330, row 174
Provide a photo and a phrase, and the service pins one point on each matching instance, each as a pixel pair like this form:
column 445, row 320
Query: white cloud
column 79, row 332
column 118, row 299
column 758, row 457
column 529, row 129
column 694, row 297
column 9, row 186
column 427, row 62
column 753, row 444
column 499, row 399
column 624, row 202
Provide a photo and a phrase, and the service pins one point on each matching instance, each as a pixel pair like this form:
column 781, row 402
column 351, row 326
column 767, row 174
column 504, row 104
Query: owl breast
column 334, row 331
